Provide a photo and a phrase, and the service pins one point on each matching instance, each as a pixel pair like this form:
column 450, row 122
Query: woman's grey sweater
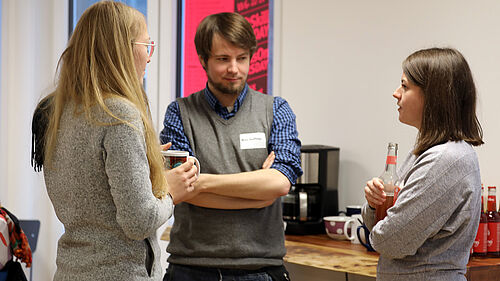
column 100, row 188
column 428, row 233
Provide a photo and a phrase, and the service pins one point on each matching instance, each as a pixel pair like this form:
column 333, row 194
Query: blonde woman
column 100, row 154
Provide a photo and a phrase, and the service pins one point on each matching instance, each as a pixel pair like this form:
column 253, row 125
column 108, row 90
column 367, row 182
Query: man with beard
column 249, row 152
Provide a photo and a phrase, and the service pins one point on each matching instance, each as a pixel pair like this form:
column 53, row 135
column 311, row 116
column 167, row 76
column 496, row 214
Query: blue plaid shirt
column 283, row 139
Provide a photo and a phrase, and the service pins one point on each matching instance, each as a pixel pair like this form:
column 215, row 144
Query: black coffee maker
column 315, row 195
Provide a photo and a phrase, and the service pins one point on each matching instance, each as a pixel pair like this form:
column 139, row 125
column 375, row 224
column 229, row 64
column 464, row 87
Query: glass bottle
column 480, row 245
column 493, row 224
column 390, row 179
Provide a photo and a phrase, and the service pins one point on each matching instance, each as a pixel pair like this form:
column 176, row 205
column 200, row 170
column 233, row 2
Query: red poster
column 194, row 77
column 255, row 11
column 257, row 14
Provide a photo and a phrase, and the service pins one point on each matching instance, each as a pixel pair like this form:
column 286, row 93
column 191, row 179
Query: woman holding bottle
column 429, row 231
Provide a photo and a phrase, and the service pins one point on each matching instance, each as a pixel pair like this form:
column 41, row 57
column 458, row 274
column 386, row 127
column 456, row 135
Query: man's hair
column 449, row 112
column 232, row 27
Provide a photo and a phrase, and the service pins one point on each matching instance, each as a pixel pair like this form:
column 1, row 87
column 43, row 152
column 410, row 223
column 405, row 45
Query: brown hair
column 449, row 112
column 232, row 27
column 97, row 64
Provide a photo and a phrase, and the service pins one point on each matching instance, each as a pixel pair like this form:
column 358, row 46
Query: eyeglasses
column 151, row 46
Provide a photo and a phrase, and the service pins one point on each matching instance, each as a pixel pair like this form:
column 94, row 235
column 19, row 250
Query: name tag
column 253, row 140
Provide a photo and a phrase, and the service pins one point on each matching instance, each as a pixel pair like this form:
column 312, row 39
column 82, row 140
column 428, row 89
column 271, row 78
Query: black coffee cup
column 352, row 210
column 366, row 241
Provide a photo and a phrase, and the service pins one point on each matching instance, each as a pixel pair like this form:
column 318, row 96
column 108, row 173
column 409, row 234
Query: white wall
column 166, row 58
column 341, row 62
column 33, row 36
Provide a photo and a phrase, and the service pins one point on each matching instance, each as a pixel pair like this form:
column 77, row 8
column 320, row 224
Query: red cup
column 174, row 158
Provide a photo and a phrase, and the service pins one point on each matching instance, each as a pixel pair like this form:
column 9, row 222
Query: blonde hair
column 97, row 64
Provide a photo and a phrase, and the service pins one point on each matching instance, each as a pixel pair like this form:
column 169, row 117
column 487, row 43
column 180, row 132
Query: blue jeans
column 177, row 272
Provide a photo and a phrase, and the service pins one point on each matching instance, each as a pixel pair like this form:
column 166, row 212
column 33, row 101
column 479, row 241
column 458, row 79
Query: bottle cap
column 393, row 144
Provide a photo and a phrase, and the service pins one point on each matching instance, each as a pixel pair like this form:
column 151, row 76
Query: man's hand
column 269, row 161
column 166, row 146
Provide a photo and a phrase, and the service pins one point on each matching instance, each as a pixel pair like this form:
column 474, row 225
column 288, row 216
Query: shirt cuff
column 287, row 171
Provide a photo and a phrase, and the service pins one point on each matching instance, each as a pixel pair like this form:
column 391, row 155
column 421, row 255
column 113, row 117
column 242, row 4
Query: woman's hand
column 181, row 181
column 269, row 161
column 374, row 192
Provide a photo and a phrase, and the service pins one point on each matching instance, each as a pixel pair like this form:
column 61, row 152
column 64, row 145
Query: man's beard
column 231, row 90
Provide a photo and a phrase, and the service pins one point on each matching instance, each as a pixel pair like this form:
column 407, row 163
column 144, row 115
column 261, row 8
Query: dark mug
column 366, row 241
column 352, row 210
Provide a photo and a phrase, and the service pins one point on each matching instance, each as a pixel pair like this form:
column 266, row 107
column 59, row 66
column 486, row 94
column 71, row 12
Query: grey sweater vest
column 246, row 238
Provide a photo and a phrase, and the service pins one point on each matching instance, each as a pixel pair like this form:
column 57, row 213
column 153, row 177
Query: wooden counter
column 483, row 269
column 319, row 251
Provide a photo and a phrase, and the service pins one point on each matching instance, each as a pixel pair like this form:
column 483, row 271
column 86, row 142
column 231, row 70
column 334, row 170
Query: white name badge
column 253, row 140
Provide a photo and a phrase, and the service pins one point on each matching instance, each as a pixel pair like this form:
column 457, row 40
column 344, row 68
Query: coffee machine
column 315, row 195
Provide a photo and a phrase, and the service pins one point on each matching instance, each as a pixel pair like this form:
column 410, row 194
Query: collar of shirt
column 221, row 110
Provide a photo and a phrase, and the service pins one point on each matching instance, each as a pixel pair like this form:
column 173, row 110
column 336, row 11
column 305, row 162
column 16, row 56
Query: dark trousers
column 177, row 272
